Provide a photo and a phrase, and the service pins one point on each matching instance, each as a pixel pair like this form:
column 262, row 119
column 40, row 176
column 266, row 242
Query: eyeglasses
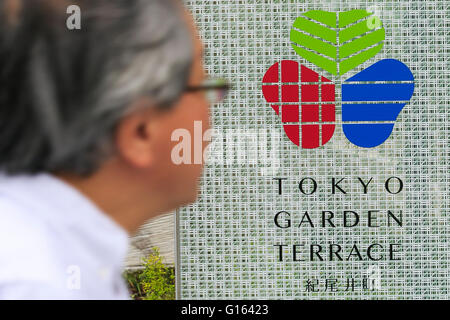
column 215, row 89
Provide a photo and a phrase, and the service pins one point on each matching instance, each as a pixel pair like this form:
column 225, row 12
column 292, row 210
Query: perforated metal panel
column 226, row 239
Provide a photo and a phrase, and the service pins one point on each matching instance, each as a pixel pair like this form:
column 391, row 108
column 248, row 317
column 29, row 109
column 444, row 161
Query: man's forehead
column 198, row 43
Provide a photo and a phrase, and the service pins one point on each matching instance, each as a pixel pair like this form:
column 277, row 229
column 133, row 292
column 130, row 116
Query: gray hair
column 63, row 92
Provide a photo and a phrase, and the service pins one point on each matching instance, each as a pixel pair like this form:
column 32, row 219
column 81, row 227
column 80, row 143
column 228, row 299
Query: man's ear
column 134, row 135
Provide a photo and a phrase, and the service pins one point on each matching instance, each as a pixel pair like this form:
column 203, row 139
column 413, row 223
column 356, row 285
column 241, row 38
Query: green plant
column 134, row 286
column 156, row 281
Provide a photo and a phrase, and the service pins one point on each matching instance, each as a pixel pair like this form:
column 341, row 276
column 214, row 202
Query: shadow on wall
column 158, row 232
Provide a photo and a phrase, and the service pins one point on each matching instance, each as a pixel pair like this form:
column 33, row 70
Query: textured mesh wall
column 226, row 239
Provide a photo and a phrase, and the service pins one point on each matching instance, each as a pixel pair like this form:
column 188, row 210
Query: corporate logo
column 371, row 100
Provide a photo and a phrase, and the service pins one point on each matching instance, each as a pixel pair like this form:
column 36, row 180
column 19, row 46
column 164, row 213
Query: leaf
column 337, row 42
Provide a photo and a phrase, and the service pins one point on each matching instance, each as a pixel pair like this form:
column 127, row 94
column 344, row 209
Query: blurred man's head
column 97, row 106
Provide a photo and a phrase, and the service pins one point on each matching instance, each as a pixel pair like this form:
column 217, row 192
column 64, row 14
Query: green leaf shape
column 337, row 42
column 325, row 17
column 349, row 17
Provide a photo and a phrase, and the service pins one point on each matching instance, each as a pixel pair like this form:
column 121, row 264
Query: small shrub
column 156, row 281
